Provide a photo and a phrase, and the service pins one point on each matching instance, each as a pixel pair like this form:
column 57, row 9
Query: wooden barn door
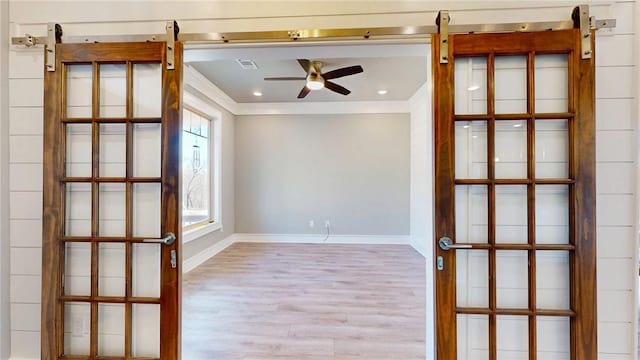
column 515, row 197
column 111, row 241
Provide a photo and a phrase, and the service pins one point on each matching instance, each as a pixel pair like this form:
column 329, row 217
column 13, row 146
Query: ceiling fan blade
column 345, row 71
column 306, row 65
column 284, row 78
column 336, row 88
column 304, row 92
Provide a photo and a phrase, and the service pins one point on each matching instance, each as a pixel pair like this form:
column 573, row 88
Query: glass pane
column 78, row 209
column 113, row 150
column 77, row 327
column 146, row 150
column 111, row 329
column 196, row 177
column 147, row 90
column 146, row 210
column 552, row 214
column 511, row 149
column 472, row 278
column 553, row 338
column 511, row 214
column 79, row 91
column 473, row 337
column 146, row 270
column 552, row 279
column 111, row 270
column 78, row 154
column 472, row 214
column 471, row 149
column 146, row 331
column 513, row 337
column 511, row 84
column 470, row 85
column 113, row 90
column 112, row 210
column 512, row 279
column 552, row 149
column 77, row 269
column 552, row 83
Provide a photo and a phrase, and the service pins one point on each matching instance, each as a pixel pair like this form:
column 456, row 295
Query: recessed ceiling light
column 382, row 92
column 257, row 93
column 473, row 88
column 517, row 125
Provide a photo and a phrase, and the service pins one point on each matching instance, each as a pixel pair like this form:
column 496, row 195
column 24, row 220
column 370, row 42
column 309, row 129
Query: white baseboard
column 319, row 239
column 419, row 246
column 204, row 255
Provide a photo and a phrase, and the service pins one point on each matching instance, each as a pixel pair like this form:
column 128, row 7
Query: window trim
column 194, row 103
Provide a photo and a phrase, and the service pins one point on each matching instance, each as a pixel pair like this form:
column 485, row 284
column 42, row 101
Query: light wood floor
column 306, row 301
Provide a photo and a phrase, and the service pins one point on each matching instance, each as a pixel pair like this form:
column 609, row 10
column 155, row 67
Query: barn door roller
column 172, row 36
column 582, row 21
column 442, row 21
column 54, row 35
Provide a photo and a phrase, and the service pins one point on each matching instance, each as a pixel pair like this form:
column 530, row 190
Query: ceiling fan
column 317, row 80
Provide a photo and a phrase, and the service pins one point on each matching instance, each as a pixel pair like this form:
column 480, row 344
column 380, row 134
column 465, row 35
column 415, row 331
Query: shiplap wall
column 616, row 142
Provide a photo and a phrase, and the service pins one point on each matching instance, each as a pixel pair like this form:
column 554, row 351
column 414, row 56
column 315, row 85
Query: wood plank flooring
column 306, row 302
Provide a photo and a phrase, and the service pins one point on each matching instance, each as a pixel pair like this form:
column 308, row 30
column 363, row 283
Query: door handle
column 447, row 244
column 168, row 239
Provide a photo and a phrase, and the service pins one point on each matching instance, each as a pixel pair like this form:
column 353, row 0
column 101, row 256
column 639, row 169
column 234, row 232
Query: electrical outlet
column 327, row 224
column 312, row 224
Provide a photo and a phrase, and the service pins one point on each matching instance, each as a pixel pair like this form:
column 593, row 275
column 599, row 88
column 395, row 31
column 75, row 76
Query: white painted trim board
column 206, row 254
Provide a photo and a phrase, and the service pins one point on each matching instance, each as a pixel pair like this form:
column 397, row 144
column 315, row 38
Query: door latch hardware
column 446, row 243
column 174, row 260
column 168, row 239
column 440, row 263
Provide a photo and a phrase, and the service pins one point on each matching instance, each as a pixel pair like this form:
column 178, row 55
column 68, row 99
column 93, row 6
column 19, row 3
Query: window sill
column 200, row 231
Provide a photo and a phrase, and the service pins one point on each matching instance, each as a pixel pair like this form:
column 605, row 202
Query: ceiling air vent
column 247, row 64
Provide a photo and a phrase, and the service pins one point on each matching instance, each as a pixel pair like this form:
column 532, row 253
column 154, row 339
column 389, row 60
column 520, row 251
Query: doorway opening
column 325, row 215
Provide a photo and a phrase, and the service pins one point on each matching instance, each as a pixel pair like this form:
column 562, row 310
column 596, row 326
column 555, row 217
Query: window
column 198, row 180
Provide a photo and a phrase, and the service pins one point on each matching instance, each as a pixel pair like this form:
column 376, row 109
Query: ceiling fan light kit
column 317, row 80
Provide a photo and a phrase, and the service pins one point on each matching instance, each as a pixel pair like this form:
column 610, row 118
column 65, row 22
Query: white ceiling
column 398, row 68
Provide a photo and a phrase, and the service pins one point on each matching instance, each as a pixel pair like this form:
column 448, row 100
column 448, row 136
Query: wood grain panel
column 170, row 291
column 444, row 189
column 111, row 52
column 583, row 155
column 52, row 217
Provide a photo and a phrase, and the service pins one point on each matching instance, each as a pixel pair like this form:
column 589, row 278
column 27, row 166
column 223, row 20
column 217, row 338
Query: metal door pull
column 168, row 239
column 447, row 244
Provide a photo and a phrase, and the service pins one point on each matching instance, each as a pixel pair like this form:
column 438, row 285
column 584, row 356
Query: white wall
column 349, row 169
column 616, row 115
column 4, row 182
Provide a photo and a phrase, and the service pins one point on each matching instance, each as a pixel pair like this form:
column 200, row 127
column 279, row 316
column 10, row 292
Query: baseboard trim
column 421, row 248
column 204, row 255
column 319, row 239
